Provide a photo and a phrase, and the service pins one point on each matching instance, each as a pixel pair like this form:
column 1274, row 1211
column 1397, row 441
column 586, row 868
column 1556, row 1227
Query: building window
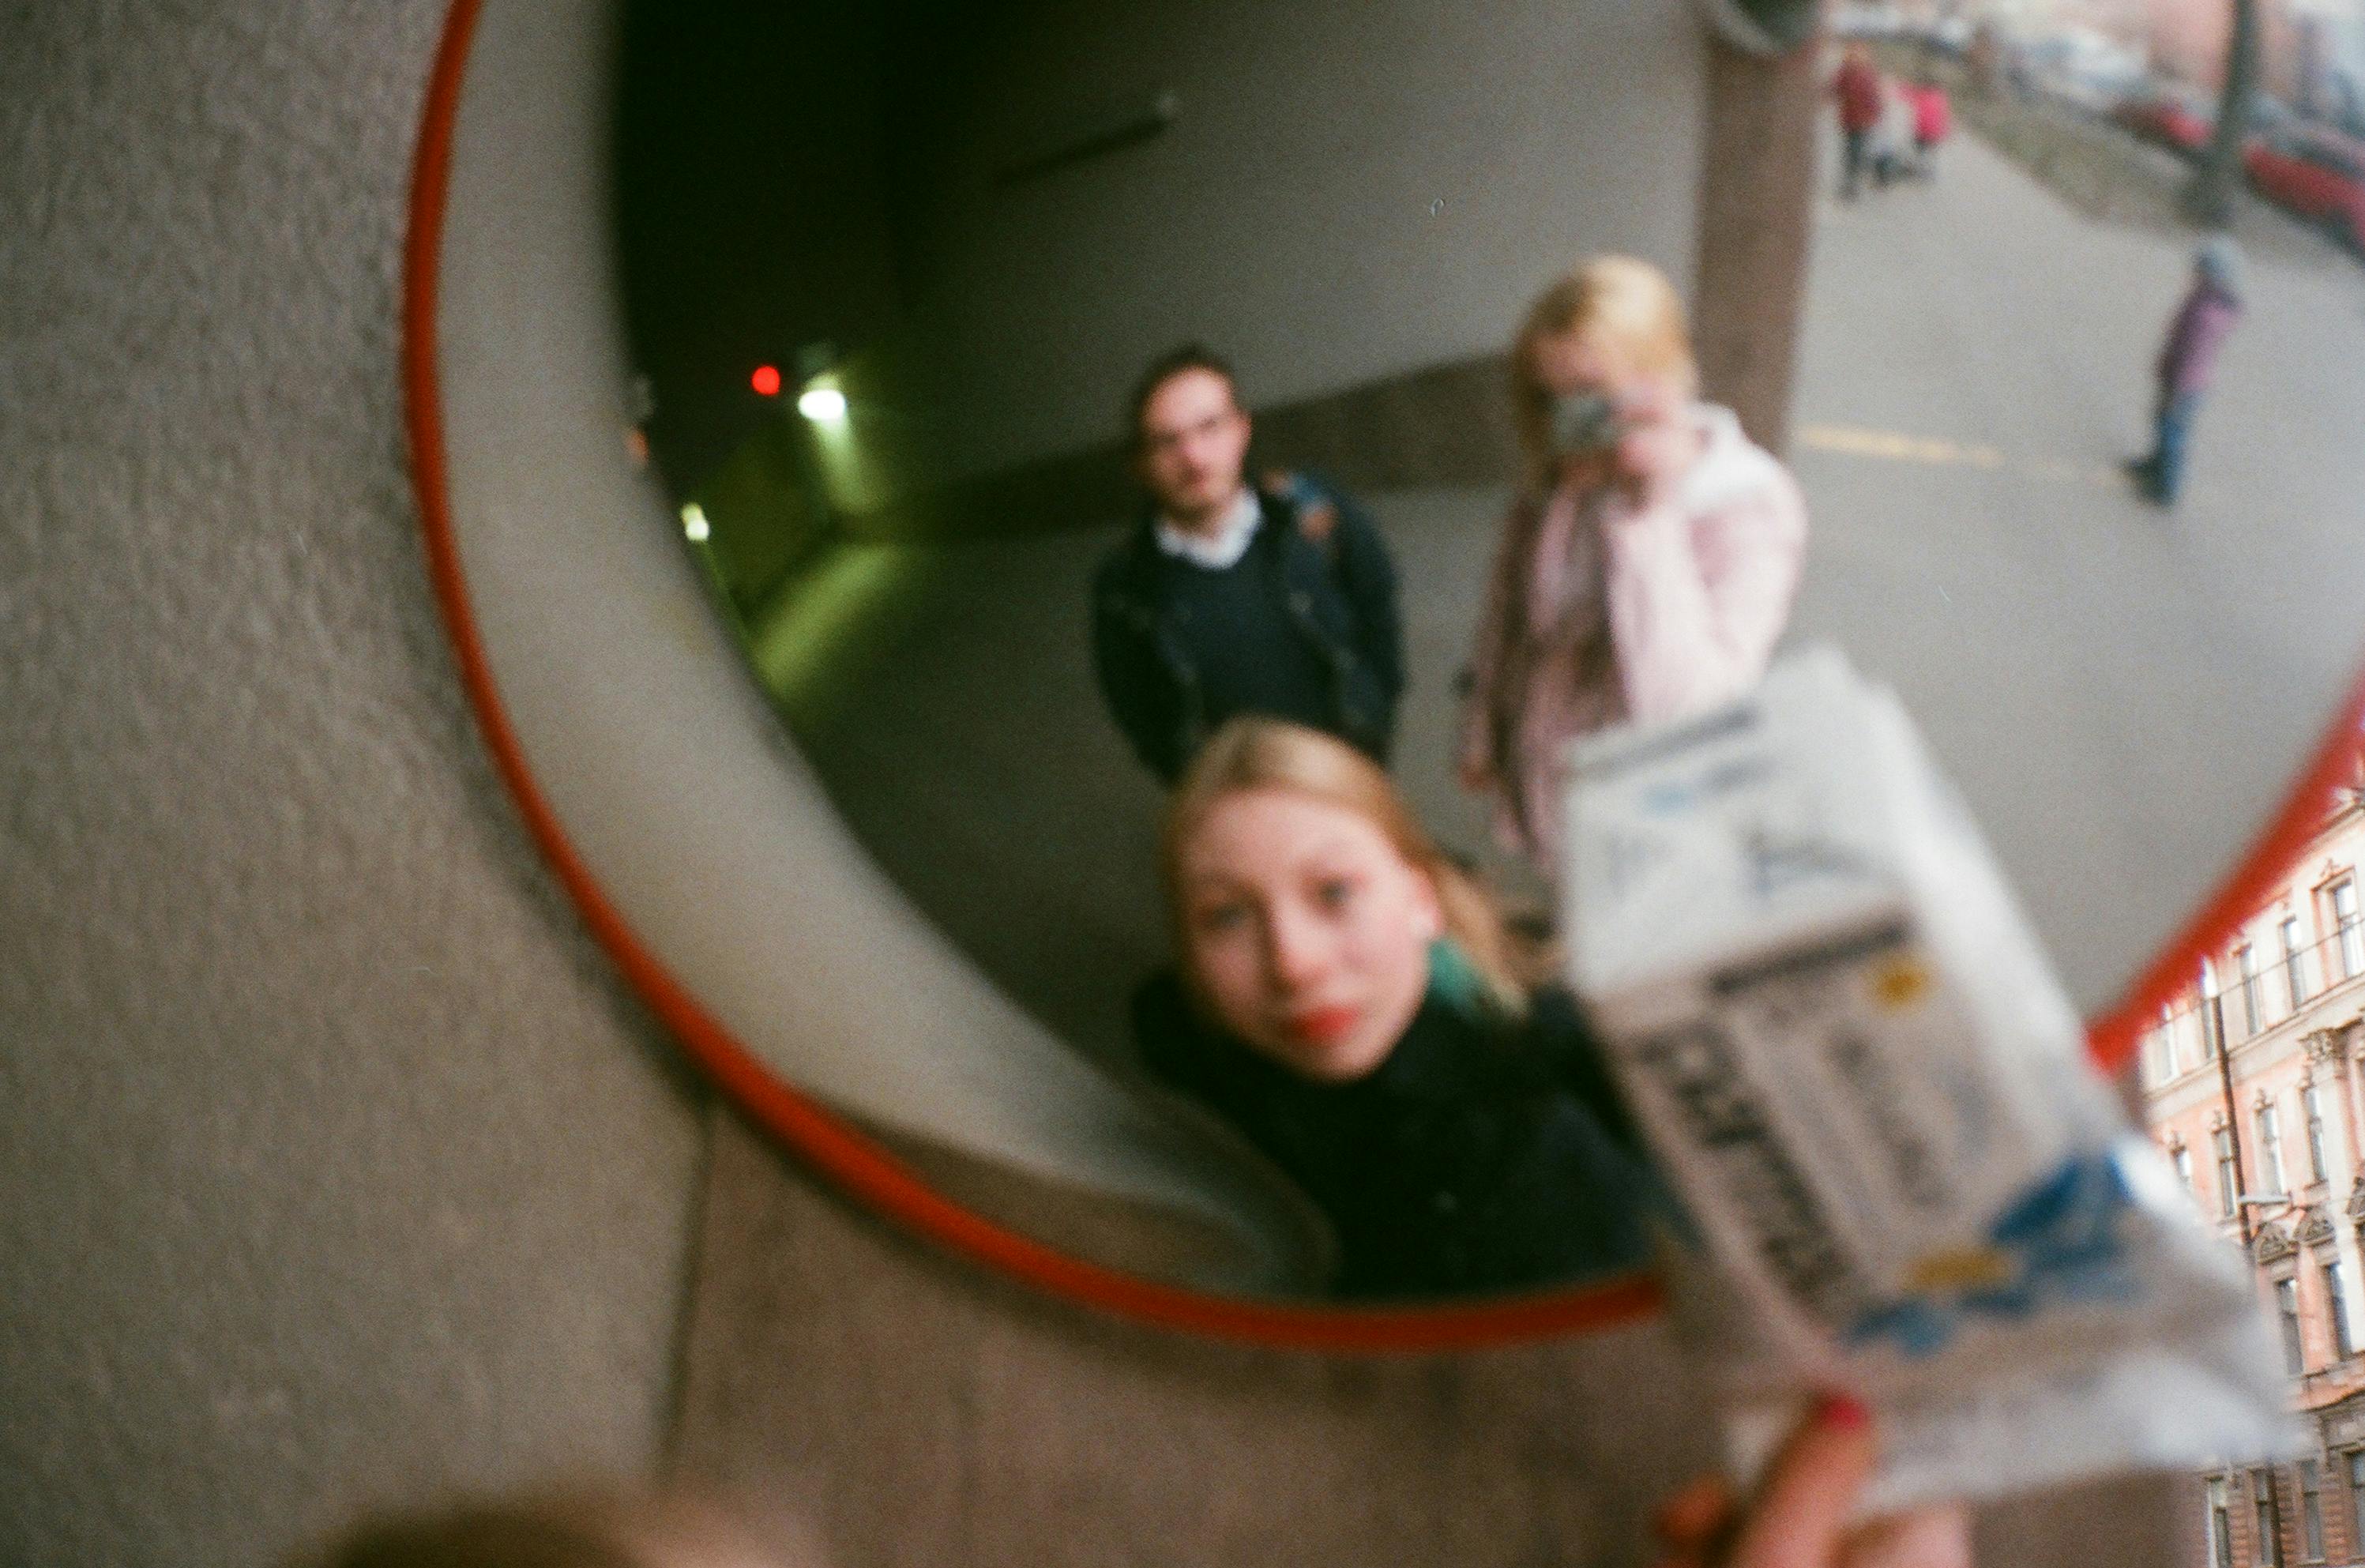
column 2294, row 961
column 2159, row 1057
column 2213, row 1021
column 2221, row 1518
column 2183, row 1158
column 2287, row 1308
column 2352, row 937
column 2270, row 1151
column 2355, row 1460
column 2229, row 1176
column 2343, row 1344
column 2310, row 1512
column 2262, row 1499
column 2311, row 1104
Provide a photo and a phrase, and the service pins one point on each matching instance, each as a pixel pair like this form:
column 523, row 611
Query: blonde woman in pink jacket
column 1648, row 565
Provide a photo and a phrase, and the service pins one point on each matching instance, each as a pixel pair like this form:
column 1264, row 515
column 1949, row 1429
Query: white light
column 693, row 523
column 822, row 405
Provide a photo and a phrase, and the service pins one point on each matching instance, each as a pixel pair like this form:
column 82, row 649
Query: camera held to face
column 1585, row 424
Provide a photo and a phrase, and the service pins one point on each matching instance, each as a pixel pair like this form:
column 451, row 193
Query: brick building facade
column 2301, row 44
column 2254, row 1082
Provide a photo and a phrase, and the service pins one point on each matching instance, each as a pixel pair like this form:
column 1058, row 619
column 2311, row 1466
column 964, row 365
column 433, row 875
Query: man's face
column 1193, row 441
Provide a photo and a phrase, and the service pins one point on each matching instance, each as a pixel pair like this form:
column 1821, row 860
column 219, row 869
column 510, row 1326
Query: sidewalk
column 2110, row 173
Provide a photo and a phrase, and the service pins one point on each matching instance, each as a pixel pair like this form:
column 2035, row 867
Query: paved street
column 2119, row 692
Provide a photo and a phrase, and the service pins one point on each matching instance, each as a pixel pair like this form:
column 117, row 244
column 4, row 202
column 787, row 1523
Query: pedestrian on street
column 2187, row 361
column 1892, row 136
column 1230, row 596
column 1856, row 86
column 1934, row 121
column 1648, row 563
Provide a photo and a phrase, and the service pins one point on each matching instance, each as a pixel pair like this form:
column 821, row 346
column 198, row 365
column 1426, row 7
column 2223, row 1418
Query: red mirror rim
column 837, row 1149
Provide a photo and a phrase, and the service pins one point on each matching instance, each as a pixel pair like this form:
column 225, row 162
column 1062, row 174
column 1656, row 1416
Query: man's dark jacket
column 1338, row 592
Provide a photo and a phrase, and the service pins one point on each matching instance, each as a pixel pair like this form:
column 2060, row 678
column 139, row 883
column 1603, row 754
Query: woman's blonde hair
column 556, row 1529
column 1250, row 753
column 1624, row 306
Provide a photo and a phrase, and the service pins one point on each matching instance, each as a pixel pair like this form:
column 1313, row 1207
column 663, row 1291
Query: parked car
column 1858, row 19
column 2176, row 116
column 1948, row 37
column 1951, row 36
column 2343, row 103
column 2317, row 172
column 2082, row 68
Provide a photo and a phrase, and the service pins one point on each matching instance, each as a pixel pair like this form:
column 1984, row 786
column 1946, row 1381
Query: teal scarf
column 1455, row 983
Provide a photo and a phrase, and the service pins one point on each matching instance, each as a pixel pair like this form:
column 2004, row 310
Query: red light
column 766, row 380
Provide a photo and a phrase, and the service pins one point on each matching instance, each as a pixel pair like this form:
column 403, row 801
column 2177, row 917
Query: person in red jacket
column 1934, row 119
column 1857, row 85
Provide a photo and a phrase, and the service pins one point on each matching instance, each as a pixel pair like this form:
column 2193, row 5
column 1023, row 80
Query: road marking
column 1897, row 447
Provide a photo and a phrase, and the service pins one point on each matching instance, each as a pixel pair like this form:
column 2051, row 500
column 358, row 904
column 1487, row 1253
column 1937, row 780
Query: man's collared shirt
column 1222, row 549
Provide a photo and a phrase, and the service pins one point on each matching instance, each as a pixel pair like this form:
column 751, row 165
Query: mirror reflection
column 1184, row 477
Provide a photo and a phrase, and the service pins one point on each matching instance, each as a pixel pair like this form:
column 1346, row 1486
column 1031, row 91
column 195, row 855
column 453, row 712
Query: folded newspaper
column 1902, row 1175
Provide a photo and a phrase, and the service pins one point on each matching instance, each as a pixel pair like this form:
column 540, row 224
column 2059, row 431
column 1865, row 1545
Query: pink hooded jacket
column 1601, row 612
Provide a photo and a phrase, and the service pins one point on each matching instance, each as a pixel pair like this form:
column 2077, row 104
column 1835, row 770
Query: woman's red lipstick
column 1321, row 1026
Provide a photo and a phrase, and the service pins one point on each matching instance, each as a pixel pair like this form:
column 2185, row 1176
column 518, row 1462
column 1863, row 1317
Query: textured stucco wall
column 1352, row 189
column 333, row 1162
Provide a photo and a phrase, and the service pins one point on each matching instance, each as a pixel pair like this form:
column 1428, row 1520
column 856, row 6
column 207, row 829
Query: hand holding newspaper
column 1903, row 1177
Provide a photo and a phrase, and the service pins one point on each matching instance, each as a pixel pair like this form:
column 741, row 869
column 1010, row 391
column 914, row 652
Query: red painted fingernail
column 1841, row 1413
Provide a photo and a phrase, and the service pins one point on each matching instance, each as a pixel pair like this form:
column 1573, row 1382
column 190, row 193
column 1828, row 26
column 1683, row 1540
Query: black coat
column 1481, row 1155
column 1338, row 594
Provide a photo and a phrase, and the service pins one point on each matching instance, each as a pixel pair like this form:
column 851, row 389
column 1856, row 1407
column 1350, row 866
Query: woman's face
column 1305, row 930
column 1565, row 364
